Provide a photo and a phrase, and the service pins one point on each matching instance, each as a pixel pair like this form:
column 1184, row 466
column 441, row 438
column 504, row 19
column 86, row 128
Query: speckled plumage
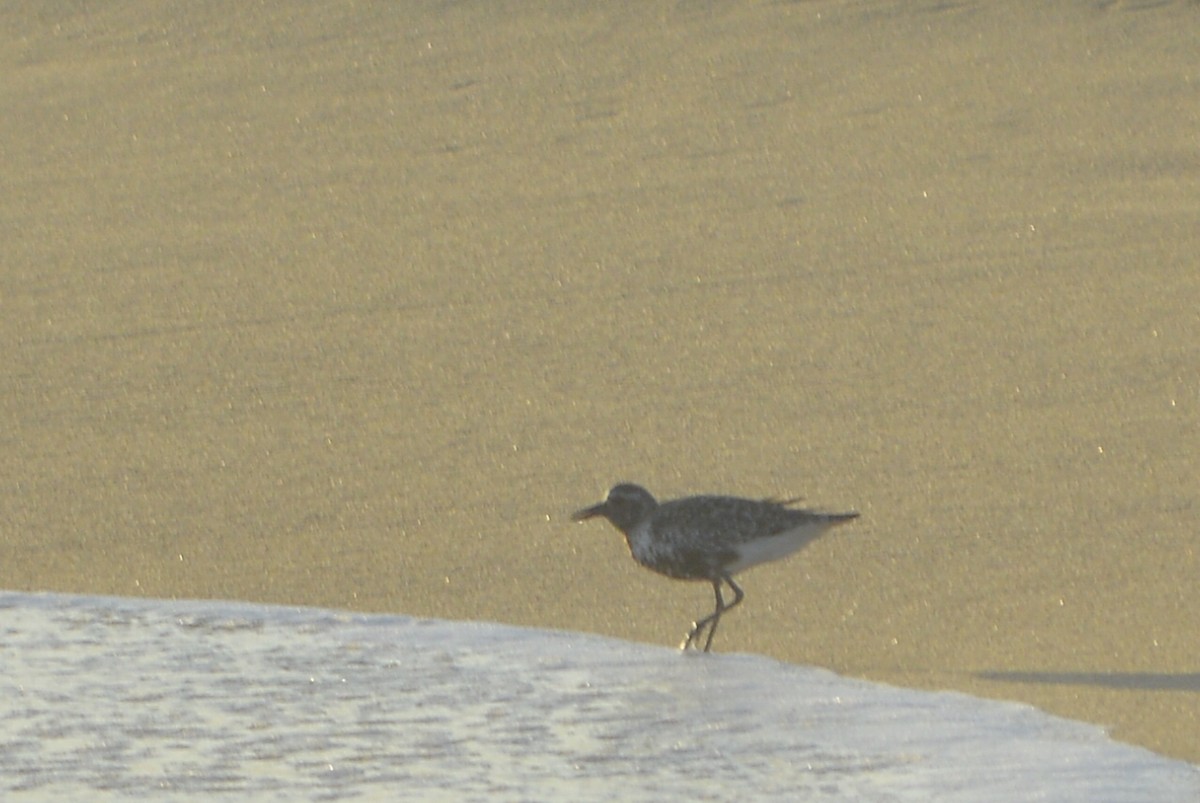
column 708, row 537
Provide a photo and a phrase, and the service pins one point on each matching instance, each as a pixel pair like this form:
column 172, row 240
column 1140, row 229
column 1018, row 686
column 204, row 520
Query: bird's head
column 625, row 505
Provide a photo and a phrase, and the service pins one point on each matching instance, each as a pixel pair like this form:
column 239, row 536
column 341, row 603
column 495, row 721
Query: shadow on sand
column 1145, row 681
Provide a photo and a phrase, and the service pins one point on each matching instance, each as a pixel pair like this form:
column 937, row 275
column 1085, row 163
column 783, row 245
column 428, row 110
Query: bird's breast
column 675, row 556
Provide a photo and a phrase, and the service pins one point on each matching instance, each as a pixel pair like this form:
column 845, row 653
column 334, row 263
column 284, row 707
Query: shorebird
column 708, row 538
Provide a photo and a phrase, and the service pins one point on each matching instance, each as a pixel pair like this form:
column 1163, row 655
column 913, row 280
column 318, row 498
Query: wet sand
column 353, row 306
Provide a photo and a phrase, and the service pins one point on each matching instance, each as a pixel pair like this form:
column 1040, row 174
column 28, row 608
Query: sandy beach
column 353, row 305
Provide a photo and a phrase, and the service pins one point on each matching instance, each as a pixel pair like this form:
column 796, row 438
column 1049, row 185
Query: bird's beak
column 589, row 512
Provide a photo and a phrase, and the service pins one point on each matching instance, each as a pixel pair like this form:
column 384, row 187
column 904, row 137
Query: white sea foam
column 115, row 699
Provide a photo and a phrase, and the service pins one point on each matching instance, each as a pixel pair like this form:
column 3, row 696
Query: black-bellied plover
column 708, row 538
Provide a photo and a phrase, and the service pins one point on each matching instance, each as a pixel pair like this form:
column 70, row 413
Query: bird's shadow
column 1140, row 681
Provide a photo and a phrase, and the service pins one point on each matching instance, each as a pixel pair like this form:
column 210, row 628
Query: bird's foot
column 692, row 639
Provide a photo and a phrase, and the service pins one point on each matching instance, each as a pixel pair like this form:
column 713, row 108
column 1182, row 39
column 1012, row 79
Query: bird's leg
column 712, row 620
column 693, row 636
column 721, row 607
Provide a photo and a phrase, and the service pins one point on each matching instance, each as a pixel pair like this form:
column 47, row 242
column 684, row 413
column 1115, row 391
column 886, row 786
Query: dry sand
column 352, row 304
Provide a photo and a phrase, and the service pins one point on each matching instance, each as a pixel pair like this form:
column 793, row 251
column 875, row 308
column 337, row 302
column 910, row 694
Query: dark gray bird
column 708, row 538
